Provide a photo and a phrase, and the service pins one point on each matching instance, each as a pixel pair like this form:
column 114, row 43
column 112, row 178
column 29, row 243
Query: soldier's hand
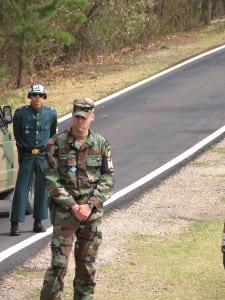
column 82, row 211
column 75, row 208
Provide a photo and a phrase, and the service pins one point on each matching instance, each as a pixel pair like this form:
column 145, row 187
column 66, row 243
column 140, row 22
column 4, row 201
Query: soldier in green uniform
column 223, row 245
column 79, row 179
column 33, row 125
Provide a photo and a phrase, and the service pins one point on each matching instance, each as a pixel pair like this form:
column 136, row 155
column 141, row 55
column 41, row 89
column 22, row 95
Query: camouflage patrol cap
column 83, row 107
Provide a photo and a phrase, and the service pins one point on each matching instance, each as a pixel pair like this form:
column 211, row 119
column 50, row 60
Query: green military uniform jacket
column 79, row 173
column 32, row 128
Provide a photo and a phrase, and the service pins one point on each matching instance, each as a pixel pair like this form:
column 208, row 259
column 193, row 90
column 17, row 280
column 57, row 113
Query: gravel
column 194, row 193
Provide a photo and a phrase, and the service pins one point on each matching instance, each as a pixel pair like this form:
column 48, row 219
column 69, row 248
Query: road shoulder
column 194, row 193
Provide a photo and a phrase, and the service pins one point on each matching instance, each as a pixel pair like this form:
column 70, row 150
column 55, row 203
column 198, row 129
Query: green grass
column 220, row 150
column 185, row 266
column 199, row 164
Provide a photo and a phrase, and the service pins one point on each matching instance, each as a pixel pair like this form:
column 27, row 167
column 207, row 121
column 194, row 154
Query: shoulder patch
column 49, row 107
column 22, row 107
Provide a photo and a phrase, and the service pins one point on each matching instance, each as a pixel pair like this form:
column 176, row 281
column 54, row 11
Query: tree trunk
column 20, row 67
column 206, row 11
column 159, row 10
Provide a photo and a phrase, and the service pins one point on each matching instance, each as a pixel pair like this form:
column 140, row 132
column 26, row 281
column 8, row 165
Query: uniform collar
column 39, row 110
column 89, row 139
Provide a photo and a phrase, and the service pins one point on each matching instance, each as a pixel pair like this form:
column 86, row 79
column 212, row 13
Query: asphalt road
column 151, row 124
column 155, row 122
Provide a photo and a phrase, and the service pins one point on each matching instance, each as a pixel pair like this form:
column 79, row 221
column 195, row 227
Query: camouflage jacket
column 79, row 173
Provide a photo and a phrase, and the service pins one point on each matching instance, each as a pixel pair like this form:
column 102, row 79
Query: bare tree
column 206, row 11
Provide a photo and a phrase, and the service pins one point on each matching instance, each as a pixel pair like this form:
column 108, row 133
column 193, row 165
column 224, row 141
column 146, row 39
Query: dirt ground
column 193, row 193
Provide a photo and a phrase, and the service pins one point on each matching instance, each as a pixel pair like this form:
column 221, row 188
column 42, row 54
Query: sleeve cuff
column 96, row 202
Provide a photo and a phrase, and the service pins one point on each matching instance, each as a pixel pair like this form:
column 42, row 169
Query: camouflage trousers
column 88, row 237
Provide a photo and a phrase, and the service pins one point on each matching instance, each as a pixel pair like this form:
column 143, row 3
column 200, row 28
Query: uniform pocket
column 67, row 160
column 28, row 130
column 94, row 163
column 45, row 130
column 67, row 166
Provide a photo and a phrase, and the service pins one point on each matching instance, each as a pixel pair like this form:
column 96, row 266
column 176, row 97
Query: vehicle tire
column 30, row 203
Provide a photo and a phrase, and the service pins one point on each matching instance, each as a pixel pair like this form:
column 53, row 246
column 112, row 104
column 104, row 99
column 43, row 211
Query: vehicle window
column 7, row 113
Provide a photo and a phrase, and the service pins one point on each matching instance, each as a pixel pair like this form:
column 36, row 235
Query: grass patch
column 33, row 275
column 220, row 150
column 185, row 266
column 199, row 163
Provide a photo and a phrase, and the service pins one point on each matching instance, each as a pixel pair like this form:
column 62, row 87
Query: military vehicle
column 8, row 160
column 8, row 153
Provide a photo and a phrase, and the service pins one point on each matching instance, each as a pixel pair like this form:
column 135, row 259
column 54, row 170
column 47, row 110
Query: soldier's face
column 81, row 125
column 37, row 100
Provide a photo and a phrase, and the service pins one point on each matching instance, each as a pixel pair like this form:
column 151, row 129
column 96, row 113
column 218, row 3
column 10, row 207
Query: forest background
column 55, row 40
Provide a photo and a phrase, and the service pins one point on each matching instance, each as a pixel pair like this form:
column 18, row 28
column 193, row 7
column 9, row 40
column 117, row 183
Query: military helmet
column 37, row 89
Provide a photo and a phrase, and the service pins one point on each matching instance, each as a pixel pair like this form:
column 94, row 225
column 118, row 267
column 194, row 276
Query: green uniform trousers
column 88, row 238
column 29, row 166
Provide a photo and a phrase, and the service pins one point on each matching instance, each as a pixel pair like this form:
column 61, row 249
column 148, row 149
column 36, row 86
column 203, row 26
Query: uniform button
column 37, row 132
column 37, row 142
column 38, row 122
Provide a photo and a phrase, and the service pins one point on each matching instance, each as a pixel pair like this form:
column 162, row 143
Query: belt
column 34, row 151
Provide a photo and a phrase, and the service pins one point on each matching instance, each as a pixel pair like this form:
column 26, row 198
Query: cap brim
column 83, row 114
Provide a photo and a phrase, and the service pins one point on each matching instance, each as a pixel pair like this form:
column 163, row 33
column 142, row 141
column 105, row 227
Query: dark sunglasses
column 38, row 94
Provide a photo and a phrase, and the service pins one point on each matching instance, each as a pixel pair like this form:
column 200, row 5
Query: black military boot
column 38, row 227
column 14, row 229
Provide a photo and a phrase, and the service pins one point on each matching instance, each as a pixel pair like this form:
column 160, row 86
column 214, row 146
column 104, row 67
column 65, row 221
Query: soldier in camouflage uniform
column 79, row 179
column 33, row 125
column 223, row 245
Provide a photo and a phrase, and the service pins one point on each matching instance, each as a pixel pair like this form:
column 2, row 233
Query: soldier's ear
column 92, row 117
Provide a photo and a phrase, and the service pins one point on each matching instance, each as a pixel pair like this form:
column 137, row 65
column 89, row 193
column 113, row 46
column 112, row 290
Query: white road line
column 17, row 247
column 133, row 86
column 147, row 178
column 167, row 166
